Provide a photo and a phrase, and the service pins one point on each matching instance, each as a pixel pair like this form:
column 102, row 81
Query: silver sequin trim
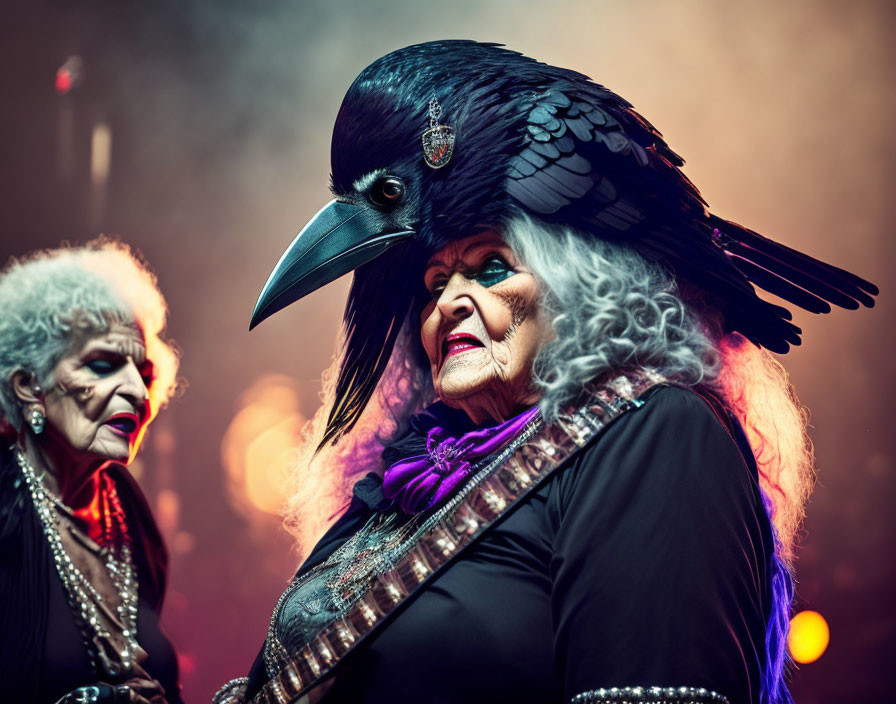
column 650, row 695
column 232, row 692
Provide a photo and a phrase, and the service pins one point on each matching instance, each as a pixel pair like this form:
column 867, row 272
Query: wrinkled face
column 483, row 328
column 98, row 405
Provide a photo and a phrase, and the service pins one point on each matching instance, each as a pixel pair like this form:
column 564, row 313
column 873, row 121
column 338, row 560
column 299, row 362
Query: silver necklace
column 373, row 550
column 84, row 599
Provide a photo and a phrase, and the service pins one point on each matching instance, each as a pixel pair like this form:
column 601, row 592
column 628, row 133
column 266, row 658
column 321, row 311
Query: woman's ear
column 25, row 387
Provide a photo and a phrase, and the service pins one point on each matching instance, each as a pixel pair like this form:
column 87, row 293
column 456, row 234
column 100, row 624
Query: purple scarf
column 423, row 481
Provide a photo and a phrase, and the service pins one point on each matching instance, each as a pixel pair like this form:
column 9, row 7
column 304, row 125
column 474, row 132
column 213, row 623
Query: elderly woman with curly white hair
column 585, row 473
column 83, row 370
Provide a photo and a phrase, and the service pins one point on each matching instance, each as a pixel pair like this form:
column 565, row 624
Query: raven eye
column 386, row 191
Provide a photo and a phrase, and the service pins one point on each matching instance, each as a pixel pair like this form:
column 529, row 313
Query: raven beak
column 341, row 237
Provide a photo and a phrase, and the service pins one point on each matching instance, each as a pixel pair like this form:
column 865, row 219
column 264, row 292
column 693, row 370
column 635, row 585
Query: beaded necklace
column 83, row 598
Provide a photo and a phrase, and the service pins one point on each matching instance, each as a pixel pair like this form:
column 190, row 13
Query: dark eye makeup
column 492, row 271
column 101, row 366
column 110, row 363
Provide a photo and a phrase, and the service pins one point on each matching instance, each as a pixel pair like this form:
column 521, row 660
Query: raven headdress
column 528, row 138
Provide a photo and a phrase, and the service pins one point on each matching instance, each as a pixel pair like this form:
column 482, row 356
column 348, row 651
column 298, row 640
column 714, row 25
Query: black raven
column 527, row 138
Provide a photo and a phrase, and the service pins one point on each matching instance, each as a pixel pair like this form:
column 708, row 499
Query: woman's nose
column 132, row 387
column 455, row 302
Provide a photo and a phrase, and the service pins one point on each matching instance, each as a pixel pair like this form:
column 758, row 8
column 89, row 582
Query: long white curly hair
column 612, row 310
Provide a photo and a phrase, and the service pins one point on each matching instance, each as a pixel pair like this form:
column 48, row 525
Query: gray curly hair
column 51, row 300
column 612, row 311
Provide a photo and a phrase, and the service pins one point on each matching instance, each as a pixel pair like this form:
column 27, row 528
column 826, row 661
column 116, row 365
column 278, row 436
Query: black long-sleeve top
column 645, row 561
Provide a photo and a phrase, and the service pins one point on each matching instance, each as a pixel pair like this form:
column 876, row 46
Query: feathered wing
column 590, row 160
column 826, row 282
column 381, row 295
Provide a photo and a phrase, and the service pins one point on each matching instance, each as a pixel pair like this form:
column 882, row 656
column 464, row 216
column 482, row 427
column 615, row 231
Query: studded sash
column 377, row 571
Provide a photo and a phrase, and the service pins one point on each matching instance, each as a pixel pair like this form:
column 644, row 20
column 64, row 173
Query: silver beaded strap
column 650, row 695
column 232, row 692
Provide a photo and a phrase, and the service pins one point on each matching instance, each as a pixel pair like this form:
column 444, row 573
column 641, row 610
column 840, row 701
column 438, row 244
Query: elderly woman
column 82, row 373
column 592, row 471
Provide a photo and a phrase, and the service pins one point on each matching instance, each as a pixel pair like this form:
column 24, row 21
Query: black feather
column 374, row 314
column 536, row 197
column 548, row 151
column 800, row 264
column 523, row 166
column 537, row 160
column 581, row 128
column 568, row 183
column 575, row 163
column 779, row 286
column 797, row 276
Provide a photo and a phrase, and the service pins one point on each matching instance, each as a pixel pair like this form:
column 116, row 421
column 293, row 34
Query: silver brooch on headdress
column 438, row 140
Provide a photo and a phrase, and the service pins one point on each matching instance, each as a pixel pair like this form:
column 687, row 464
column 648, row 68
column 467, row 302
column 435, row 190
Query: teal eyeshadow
column 494, row 273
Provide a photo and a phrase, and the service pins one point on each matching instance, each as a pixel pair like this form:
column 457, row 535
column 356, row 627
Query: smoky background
column 199, row 133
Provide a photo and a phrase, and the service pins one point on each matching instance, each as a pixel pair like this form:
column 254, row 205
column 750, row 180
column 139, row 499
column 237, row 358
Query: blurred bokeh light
column 257, row 449
column 809, row 636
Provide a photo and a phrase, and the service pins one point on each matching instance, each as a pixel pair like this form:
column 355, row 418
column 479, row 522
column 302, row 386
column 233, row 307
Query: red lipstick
column 459, row 342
